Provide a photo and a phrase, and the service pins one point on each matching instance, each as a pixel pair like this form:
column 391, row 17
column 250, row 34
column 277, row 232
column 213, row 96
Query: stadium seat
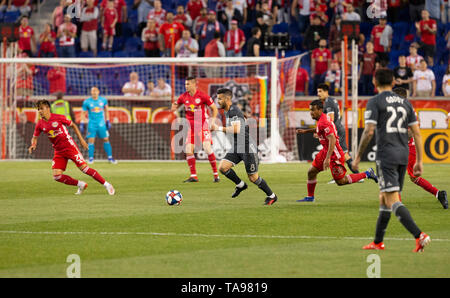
column 105, row 54
column 11, row 16
column 86, row 55
column 118, row 44
column 120, row 54
column 280, row 28
column 133, row 44
column 1, row 16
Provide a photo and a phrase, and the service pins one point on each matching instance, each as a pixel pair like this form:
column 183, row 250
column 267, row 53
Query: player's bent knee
column 253, row 177
column 225, row 166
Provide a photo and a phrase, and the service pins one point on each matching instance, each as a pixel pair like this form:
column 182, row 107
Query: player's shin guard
column 231, row 174
column 191, row 163
column 212, row 161
column 91, row 149
column 66, row 179
column 94, row 174
column 353, row 178
column 311, row 185
column 405, row 218
column 262, row 184
column 108, row 149
column 426, row 185
column 383, row 219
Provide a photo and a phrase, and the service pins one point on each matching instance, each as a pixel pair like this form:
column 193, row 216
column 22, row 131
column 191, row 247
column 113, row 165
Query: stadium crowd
column 412, row 37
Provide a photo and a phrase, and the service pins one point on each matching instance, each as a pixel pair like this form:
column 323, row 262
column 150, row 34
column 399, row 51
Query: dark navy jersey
column 331, row 106
column 242, row 142
column 392, row 115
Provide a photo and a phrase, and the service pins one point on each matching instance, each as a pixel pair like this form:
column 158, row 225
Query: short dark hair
column 255, row 30
column 324, row 87
column 400, row 91
column 190, row 78
column 318, row 103
column 225, row 91
column 42, row 102
column 384, row 76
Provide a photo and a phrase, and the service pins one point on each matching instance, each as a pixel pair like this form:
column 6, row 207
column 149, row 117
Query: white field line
column 206, row 235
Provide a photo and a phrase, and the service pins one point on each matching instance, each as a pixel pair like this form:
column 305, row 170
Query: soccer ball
column 174, row 197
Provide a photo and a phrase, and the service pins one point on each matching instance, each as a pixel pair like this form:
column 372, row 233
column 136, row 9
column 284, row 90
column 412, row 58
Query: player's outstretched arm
column 418, row 167
column 33, row 145
column 301, row 131
column 80, row 137
column 367, row 135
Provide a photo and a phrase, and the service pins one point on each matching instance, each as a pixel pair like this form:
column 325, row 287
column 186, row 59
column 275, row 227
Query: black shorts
column 428, row 50
column 390, row 177
column 251, row 161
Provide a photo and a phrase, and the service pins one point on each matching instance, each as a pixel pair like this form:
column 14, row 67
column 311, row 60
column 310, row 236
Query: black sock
column 261, row 183
column 349, row 164
column 230, row 174
column 382, row 223
column 405, row 218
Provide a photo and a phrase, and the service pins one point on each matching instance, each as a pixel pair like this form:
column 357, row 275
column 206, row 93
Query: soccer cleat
column 331, row 181
column 191, row 179
column 238, row 190
column 216, row 179
column 81, row 188
column 374, row 245
column 442, row 197
column 91, row 160
column 306, row 199
column 270, row 201
column 112, row 161
column 423, row 240
column 110, row 189
column 370, row 173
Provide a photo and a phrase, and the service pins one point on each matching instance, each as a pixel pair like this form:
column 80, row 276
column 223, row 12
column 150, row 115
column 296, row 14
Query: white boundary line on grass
column 207, row 235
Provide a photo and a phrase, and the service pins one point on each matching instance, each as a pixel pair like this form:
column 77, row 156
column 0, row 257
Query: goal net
column 143, row 126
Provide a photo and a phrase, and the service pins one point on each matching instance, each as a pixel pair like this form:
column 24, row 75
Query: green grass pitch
column 136, row 234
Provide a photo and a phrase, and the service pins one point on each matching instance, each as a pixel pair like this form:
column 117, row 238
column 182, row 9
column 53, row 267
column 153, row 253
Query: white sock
column 241, row 184
column 81, row 183
column 272, row 195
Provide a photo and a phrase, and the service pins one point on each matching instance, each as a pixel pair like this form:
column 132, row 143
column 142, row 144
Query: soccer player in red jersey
column 441, row 195
column 65, row 148
column 331, row 156
column 195, row 103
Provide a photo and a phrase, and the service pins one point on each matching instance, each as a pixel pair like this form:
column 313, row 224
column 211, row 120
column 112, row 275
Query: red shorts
column 337, row 167
column 411, row 161
column 108, row 31
column 198, row 135
column 60, row 158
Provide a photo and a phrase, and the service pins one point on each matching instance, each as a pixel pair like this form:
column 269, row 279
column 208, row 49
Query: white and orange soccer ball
column 174, row 198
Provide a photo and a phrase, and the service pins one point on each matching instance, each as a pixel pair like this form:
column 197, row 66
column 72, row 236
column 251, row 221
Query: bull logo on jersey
column 191, row 108
column 54, row 133
column 97, row 110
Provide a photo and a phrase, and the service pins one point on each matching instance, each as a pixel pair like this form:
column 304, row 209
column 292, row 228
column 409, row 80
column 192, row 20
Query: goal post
column 25, row 80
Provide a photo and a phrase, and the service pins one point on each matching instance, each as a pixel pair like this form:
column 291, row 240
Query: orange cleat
column 374, row 245
column 423, row 240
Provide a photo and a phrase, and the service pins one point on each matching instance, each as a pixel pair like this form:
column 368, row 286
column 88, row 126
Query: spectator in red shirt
column 301, row 84
column 27, row 39
column 25, row 73
column 157, row 13
column 183, row 18
column 193, row 7
column 321, row 13
column 427, row 30
column 109, row 20
column 320, row 62
column 334, row 38
column 168, row 31
column 375, row 35
column 234, row 40
column 121, row 8
column 367, row 69
column 89, row 20
column 57, row 80
column 150, row 39
column 47, row 41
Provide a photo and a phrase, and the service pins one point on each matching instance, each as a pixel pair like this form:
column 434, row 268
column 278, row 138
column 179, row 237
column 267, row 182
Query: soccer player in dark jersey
column 441, row 195
column 244, row 148
column 390, row 116
column 195, row 103
column 331, row 156
column 65, row 148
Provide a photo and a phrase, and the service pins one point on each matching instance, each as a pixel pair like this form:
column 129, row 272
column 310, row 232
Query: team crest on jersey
column 55, row 124
column 197, row 100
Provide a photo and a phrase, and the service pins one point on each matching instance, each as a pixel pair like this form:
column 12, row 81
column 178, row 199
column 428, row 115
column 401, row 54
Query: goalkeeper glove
column 108, row 124
column 82, row 127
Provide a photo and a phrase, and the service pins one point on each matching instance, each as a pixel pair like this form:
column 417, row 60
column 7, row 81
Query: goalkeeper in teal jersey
column 96, row 108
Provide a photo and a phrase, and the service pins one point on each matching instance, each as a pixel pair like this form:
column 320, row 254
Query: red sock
column 353, row 178
column 94, row 174
column 66, row 180
column 426, row 185
column 212, row 161
column 191, row 162
column 311, row 187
